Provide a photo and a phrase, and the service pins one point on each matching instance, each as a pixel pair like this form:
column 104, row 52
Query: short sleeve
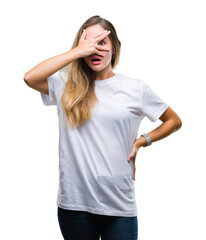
column 152, row 105
column 51, row 98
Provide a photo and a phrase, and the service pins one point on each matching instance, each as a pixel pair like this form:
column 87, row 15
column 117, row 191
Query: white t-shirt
column 94, row 174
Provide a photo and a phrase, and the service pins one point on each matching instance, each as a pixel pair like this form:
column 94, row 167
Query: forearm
column 162, row 131
column 51, row 65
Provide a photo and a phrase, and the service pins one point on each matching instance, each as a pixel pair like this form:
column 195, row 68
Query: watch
column 149, row 142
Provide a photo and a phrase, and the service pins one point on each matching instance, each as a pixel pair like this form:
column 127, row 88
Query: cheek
column 86, row 60
column 107, row 54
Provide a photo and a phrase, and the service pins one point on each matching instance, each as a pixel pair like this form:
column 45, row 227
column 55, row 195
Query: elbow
column 26, row 79
column 26, row 76
column 178, row 124
column 175, row 124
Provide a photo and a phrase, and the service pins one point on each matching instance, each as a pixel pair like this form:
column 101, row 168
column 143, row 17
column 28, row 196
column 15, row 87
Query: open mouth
column 96, row 61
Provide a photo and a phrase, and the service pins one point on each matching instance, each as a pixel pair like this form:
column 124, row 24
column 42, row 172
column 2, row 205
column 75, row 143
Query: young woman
column 99, row 116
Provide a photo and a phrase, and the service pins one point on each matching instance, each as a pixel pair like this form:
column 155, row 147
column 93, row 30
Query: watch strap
column 149, row 142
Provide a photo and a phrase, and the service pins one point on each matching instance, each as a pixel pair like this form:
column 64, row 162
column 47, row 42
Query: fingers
column 134, row 171
column 99, row 53
column 92, row 44
column 103, row 48
column 100, row 48
column 105, row 31
column 132, row 155
column 98, row 37
column 102, row 35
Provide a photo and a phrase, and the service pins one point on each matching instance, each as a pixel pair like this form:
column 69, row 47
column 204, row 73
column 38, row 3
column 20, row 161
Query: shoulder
column 131, row 82
column 59, row 78
column 62, row 75
column 131, row 79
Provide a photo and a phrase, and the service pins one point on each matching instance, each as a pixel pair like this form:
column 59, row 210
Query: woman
column 99, row 116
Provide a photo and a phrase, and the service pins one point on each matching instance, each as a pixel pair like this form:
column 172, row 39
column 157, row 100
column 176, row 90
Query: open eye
column 101, row 42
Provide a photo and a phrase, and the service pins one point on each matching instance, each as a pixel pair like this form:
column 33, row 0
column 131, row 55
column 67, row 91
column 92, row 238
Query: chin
column 97, row 68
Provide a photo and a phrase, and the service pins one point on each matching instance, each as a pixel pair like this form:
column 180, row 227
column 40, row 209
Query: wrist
column 77, row 52
column 141, row 142
column 73, row 54
column 147, row 137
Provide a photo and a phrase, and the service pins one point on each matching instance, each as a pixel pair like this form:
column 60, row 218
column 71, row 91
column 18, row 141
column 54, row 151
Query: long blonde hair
column 79, row 96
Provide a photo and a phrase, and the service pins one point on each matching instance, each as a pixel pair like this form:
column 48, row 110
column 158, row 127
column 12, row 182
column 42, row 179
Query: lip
column 96, row 62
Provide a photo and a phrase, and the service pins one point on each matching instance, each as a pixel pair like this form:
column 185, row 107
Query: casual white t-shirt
column 94, row 174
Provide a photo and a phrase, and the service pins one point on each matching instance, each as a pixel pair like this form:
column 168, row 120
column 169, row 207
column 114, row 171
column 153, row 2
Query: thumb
column 132, row 155
column 83, row 36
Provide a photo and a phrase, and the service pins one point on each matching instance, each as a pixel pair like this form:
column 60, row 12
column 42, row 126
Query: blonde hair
column 79, row 96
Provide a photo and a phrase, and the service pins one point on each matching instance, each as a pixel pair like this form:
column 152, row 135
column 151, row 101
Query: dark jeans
column 81, row 225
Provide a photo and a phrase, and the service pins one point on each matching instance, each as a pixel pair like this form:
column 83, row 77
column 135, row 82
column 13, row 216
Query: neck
column 104, row 74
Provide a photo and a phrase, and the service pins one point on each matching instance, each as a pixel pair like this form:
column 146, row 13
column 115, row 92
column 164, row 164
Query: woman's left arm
column 170, row 123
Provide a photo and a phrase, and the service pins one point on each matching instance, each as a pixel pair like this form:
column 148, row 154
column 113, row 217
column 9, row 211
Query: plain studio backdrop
column 163, row 43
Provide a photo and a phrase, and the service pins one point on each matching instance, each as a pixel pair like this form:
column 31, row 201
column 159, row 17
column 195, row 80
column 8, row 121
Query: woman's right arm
column 36, row 78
